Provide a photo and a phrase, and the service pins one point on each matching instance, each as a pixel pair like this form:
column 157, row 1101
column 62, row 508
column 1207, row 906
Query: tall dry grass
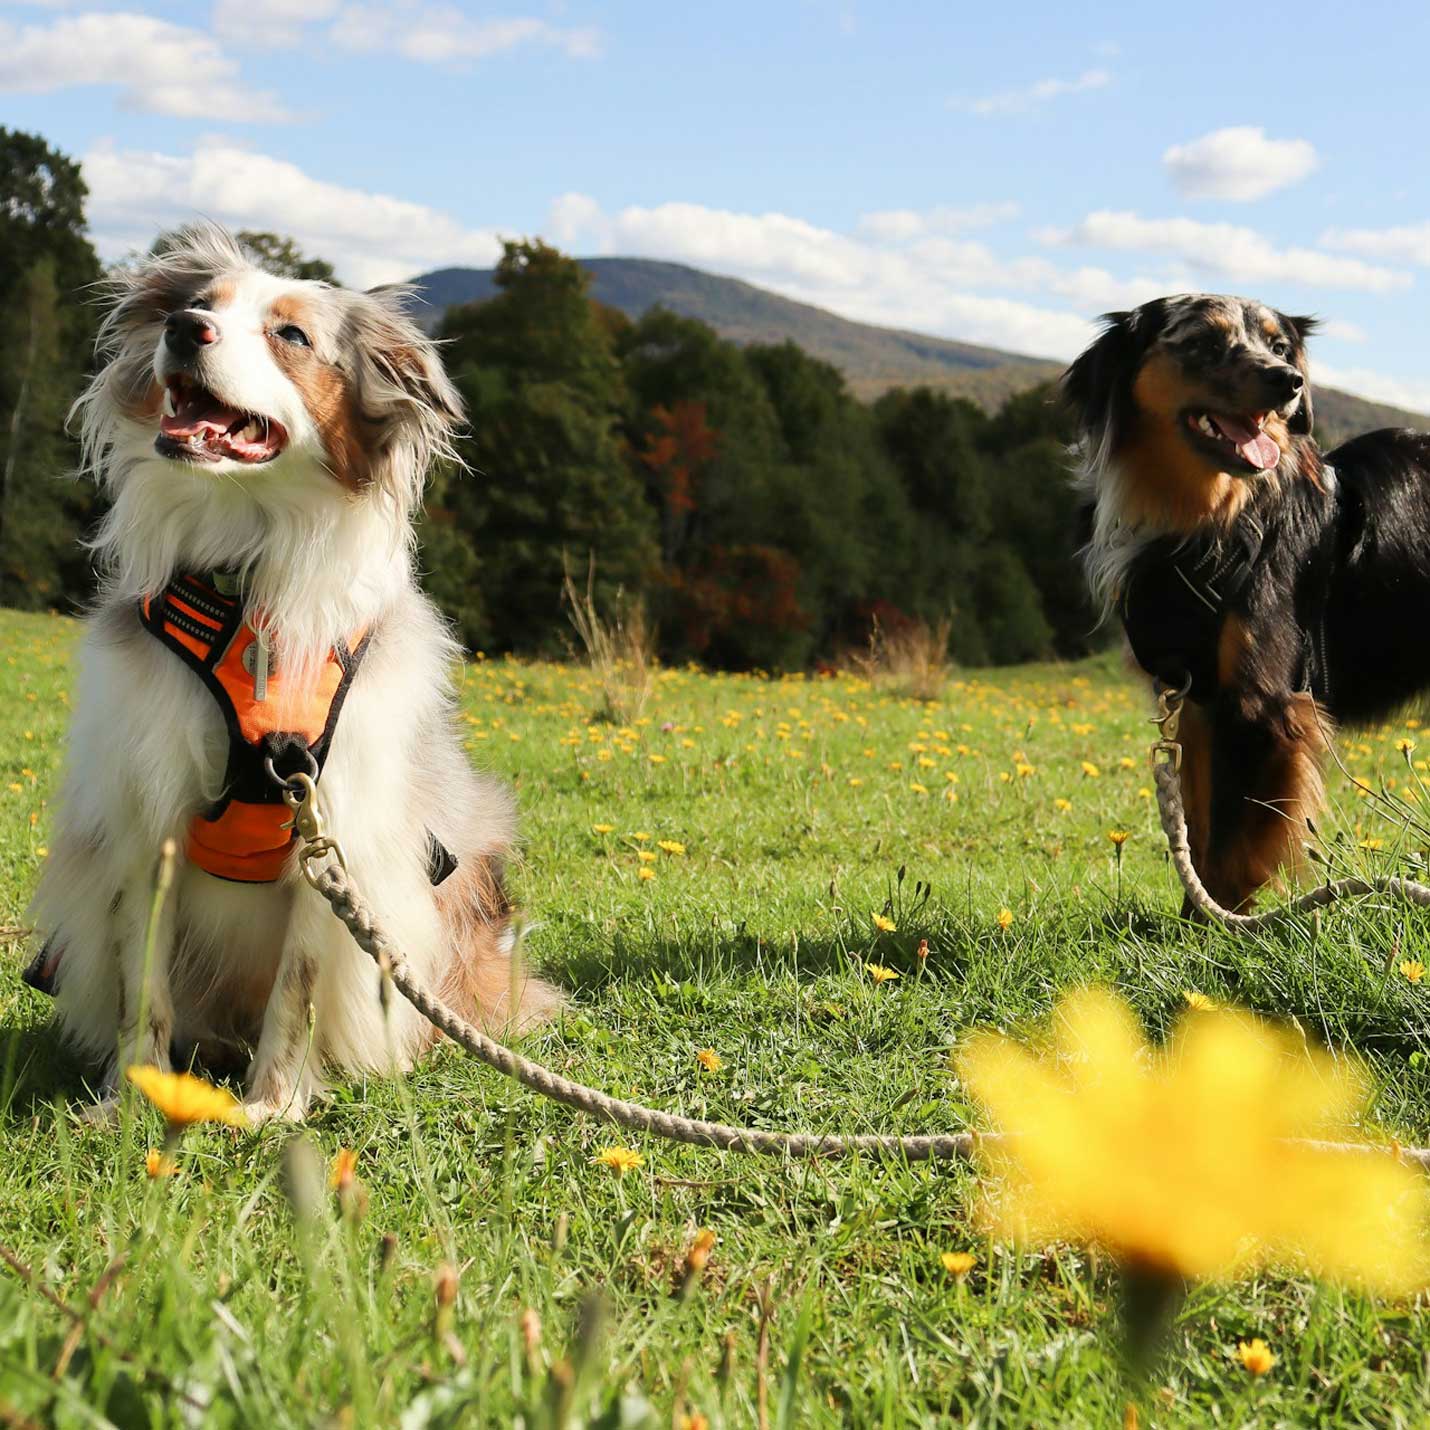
column 620, row 649
column 914, row 660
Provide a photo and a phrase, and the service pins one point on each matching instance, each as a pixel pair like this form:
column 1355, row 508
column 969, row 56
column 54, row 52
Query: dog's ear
column 1097, row 387
column 1303, row 418
column 403, row 393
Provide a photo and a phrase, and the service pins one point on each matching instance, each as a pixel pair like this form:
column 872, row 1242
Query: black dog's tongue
column 1253, row 444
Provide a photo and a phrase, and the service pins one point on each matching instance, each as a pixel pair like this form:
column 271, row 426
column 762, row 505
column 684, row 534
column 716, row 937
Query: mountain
column 871, row 358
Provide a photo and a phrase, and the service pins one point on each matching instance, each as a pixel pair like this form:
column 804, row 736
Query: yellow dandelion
column 646, row 856
column 1004, row 919
column 344, row 1169
column 671, row 846
column 1412, row 969
column 1062, row 804
column 1255, row 1355
column 640, row 836
column 879, row 973
column 603, row 828
column 656, row 759
column 646, row 873
column 1405, row 746
column 917, row 788
column 1119, row 837
column 185, row 1099
column 619, row 1159
column 1090, row 770
column 710, row 1060
column 958, row 1263
column 884, row 924
column 1197, row 1160
column 1370, row 844
column 156, row 1164
column 1199, row 1002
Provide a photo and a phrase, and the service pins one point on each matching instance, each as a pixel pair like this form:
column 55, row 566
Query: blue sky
column 994, row 173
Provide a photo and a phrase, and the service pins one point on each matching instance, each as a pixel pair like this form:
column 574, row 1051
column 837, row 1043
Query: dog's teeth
column 169, row 409
column 250, row 431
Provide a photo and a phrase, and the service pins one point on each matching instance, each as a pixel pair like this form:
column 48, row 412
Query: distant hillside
column 872, row 359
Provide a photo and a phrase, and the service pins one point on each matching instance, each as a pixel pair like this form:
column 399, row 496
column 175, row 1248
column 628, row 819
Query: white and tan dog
column 264, row 443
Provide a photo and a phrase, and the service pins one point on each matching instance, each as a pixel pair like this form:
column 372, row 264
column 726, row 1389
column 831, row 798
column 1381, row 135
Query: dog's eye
column 1281, row 348
column 293, row 334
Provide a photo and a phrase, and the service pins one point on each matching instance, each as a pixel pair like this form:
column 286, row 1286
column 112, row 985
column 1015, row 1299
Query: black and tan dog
column 1292, row 587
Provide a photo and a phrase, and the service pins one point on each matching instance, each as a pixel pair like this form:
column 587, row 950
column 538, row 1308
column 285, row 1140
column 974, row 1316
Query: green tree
column 547, row 478
column 280, row 254
column 46, row 337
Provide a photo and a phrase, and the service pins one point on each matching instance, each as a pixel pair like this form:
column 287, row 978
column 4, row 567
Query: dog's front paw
column 291, row 1106
column 103, row 1113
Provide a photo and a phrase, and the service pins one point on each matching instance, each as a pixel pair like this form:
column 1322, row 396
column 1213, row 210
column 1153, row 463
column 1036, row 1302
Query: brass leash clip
column 300, row 794
column 1168, row 720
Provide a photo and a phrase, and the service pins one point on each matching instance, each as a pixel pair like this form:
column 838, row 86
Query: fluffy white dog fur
column 321, row 533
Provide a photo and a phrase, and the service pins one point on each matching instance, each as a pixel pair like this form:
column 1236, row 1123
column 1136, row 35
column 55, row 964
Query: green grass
column 753, row 943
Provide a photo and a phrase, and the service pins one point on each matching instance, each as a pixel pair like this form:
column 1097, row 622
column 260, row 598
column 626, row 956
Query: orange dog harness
column 273, row 733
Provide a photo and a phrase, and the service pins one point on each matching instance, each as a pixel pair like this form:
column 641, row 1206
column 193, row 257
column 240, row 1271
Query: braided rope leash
column 323, row 866
column 1167, row 766
column 333, row 883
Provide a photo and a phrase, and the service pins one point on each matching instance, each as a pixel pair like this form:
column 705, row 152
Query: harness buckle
column 300, row 794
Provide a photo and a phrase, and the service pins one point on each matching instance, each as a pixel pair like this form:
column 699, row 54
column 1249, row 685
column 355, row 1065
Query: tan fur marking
column 220, row 294
column 325, row 394
column 1233, row 644
column 1169, row 485
column 1289, row 791
column 482, row 981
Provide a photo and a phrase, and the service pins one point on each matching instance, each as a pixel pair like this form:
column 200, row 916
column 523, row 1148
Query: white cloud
column 1019, row 101
column 1225, row 250
column 158, row 67
column 1378, row 386
column 269, row 22
column 368, row 237
column 442, row 34
column 897, row 225
column 1342, row 331
column 1238, row 163
column 1407, row 243
column 895, row 273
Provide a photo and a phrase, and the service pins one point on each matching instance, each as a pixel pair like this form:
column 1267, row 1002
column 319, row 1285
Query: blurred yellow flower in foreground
column 1255, row 1355
column 1188, row 1160
column 185, row 1099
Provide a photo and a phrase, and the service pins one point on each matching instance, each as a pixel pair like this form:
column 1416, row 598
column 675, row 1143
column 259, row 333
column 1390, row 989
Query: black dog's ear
column 1098, row 385
column 1303, row 418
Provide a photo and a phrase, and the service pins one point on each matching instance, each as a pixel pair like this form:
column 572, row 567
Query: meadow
column 724, row 887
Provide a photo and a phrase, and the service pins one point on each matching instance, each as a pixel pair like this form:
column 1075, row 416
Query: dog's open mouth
column 1241, row 438
column 197, row 427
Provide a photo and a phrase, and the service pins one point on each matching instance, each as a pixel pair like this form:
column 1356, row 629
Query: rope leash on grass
column 332, row 881
column 1167, row 766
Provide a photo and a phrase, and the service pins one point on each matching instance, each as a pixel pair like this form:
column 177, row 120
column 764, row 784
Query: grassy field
column 707, row 878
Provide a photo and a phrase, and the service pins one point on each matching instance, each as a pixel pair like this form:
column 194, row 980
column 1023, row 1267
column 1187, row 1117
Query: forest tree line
column 764, row 515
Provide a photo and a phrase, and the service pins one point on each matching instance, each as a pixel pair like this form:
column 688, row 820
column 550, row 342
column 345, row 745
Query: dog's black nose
column 185, row 333
column 1282, row 383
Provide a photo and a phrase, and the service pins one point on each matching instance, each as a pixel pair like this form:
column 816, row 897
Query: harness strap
column 244, row 836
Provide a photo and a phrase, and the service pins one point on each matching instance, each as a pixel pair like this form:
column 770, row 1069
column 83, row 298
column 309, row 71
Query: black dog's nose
column 1282, row 383
column 185, row 333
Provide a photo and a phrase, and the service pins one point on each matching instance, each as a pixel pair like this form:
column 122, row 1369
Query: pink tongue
column 1258, row 449
column 199, row 415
